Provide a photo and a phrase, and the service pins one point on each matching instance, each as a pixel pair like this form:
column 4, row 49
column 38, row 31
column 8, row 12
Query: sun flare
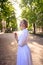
column 17, row 10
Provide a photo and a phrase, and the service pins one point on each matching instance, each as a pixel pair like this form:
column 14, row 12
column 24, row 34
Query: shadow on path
column 8, row 49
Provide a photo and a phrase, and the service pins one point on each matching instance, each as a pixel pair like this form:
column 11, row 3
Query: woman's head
column 23, row 24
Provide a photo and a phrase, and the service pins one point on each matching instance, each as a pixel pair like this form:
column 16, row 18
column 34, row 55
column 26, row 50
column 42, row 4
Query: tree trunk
column 42, row 29
column 34, row 28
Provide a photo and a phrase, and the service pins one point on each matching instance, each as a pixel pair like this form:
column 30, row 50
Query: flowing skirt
column 24, row 56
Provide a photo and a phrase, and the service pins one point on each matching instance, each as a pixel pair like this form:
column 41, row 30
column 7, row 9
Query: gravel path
column 8, row 49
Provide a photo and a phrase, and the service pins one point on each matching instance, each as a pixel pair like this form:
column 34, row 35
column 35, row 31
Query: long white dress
column 23, row 54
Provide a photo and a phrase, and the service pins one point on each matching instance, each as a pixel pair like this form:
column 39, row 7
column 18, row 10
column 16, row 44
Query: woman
column 23, row 54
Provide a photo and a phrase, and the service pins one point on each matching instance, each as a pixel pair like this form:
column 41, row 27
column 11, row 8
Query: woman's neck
column 23, row 28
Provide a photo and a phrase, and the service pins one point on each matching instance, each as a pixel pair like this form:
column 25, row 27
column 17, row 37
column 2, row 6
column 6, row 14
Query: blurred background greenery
column 32, row 10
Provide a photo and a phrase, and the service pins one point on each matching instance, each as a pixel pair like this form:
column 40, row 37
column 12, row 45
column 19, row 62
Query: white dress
column 23, row 54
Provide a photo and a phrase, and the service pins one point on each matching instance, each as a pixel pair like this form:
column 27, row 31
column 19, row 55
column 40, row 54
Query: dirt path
column 8, row 49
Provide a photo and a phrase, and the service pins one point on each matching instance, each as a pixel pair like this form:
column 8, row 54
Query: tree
column 7, row 12
column 32, row 10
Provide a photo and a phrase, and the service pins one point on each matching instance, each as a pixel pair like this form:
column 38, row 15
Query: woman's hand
column 16, row 36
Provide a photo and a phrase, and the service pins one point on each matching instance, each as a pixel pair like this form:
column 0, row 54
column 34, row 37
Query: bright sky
column 18, row 10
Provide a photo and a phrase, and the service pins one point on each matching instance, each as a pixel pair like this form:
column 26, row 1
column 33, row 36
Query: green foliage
column 6, row 9
column 30, row 27
column 7, row 12
column 11, row 22
column 3, row 0
column 32, row 10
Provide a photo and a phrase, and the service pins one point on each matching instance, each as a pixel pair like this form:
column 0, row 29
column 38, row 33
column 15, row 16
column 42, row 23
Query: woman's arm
column 23, row 39
column 16, row 37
